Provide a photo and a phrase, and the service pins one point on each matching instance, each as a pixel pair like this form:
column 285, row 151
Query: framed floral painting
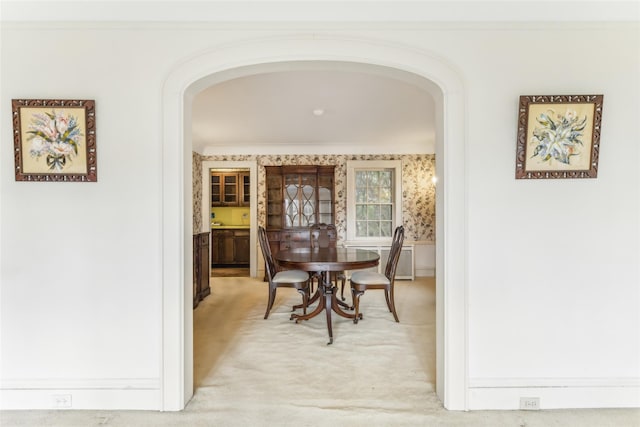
column 558, row 136
column 54, row 140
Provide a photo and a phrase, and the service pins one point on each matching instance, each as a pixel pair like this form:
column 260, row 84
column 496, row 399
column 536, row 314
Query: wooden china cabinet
column 297, row 197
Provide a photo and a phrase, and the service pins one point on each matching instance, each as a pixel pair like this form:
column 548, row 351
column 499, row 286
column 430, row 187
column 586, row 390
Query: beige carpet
column 255, row 372
column 376, row 368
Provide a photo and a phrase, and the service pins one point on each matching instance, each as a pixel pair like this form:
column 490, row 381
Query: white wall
column 552, row 265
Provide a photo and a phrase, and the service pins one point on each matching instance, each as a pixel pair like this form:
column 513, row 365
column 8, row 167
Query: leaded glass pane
column 307, row 191
column 292, row 191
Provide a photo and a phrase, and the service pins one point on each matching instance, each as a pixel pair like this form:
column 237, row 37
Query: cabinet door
column 230, row 189
column 241, row 247
column 217, row 247
column 216, row 189
column 227, row 247
column 222, row 247
column 244, row 186
column 274, row 197
column 300, row 199
column 325, row 197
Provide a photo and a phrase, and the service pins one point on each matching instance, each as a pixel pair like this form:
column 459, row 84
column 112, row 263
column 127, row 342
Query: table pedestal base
column 327, row 294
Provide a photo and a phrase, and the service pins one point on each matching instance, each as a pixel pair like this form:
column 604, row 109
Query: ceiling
column 307, row 111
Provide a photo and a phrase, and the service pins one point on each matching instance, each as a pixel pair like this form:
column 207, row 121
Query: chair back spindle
column 394, row 253
column 266, row 254
column 323, row 235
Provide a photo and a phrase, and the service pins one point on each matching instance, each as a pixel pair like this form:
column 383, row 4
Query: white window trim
column 352, row 167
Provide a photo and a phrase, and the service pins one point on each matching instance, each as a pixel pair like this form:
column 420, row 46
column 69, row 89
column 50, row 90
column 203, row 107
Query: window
column 374, row 204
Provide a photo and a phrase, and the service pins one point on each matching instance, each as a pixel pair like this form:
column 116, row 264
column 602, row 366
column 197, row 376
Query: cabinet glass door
column 215, row 190
column 246, row 189
column 274, row 201
column 231, row 189
column 325, row 199
column 299, row 200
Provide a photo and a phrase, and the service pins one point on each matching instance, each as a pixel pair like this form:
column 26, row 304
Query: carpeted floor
column 255, row 372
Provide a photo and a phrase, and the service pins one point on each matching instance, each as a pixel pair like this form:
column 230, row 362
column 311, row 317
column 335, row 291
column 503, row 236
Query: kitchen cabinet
column 229, row 247
column 297, row 197
column 230, row 188
column 200, row 267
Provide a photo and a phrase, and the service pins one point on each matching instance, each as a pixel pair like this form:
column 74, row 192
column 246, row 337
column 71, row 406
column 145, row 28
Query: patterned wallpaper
column 418, row 191
column 196, row 160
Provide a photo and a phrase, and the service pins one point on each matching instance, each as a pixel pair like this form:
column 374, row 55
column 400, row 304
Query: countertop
column 230, row 227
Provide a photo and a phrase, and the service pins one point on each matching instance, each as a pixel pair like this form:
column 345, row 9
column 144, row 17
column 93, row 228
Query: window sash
column 374, row 203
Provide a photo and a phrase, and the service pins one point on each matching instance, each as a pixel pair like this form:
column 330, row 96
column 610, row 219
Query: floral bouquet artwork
column 55, row 136
column 54, row 140
column 558, row 136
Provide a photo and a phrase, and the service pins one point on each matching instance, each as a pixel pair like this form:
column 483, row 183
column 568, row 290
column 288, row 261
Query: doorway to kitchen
column 230, row 213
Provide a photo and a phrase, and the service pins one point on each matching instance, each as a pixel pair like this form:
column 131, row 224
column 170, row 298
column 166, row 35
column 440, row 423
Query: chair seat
column 291, row 276
column 369, row 278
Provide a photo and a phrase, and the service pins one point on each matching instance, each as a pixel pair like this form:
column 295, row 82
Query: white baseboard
column 108, row 394
column 554, row 393
column 425, row 272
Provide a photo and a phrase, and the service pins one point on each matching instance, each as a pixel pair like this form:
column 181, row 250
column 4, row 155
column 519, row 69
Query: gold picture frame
column 54, row 140
column 558, row 136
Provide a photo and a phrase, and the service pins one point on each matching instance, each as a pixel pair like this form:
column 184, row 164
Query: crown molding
column 382, row 11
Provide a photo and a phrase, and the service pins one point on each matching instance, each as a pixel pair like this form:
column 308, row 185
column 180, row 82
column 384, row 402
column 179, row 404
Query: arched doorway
column 225, row 63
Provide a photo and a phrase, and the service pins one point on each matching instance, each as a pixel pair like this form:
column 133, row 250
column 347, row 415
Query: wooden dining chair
column 297, row 279
column 363, row 280
column 325, row 236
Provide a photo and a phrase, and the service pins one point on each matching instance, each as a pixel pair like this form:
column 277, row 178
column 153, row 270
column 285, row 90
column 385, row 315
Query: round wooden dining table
column 323, row 261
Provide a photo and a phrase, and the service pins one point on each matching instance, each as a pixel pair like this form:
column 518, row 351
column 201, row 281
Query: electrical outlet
column 530, row 403
column 61, row 401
